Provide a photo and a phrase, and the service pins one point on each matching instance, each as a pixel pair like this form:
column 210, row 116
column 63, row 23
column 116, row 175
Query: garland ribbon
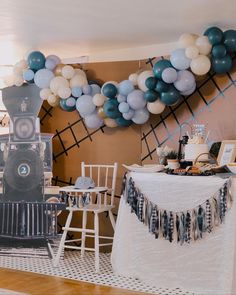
column 182, row 227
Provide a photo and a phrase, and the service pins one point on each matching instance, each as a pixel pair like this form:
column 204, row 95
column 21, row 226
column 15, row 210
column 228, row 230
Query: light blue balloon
column 87, row 89
column 185, row 81
column 169, row 75
column 76, row 91
column 28, row 75
column 121, row 98
column 179, row 60
column 136, row 100
column 84, row 105
column 125, row 87
column 95, row 89
column 141, row 116
column 123, row 107
column 43, row 77
column 93, row 121
column 55, row 58
column 50, row 64
column 129, row 115
column 190, row 91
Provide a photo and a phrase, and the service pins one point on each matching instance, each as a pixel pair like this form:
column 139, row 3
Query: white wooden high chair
column 103, row 201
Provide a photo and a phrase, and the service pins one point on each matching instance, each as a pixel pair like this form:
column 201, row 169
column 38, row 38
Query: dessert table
column 204, row 266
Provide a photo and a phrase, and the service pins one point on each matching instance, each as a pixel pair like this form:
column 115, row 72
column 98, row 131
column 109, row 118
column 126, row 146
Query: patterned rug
column 82, row 269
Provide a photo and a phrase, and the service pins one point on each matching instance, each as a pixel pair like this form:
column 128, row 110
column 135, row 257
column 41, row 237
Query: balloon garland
column 132, row 100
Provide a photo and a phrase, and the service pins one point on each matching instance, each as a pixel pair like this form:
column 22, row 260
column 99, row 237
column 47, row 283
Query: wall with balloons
column 132, row 100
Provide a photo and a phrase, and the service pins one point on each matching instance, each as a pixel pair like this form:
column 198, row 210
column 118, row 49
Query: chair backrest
column 103, row 175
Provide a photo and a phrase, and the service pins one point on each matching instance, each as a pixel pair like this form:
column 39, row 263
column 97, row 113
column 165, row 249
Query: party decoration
column 136, row 100
column 144, row 92
column 36, row 60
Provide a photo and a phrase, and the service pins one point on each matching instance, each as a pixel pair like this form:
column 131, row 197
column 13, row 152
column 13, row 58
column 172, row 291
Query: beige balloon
column 64, row 92
column 203, row 45
column 58, row 82
column 53, row 100
column 101, row 113
column 110, row 122
column 134, row 79
column 67, row 72
column 156, row 107
column 78, row 81
column 200, row 65
column 99, row 99
column 58, row 69
column 44, row 93
column 186, row 40
column 80, row 72
column 192, row 52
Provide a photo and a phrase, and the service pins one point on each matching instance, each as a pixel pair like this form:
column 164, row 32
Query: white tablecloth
column 202, row 267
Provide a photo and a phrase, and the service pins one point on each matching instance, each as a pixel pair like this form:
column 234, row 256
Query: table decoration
column 185, row 226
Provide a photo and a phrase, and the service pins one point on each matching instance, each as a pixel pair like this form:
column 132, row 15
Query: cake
column 194, row 148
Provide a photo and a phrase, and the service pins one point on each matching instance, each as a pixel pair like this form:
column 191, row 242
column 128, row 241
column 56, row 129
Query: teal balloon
column 151, row 83
column 111, row 110
column 68, row 104
column 162, row 86
column 222, row 65
column 215, row 35
column 123, row 123
column 150, row 95
column 109, row 90
column 230, row 40
column 170, row 97
column 160, row 66
column 218, row 51
column 36, row 60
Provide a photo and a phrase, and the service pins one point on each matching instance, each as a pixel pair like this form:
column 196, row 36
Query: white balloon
column 134, row 79
column 110, row 122
column 44, row 93
column 200, row 65
column 58, row 82
column 186, row 40
column 64, row 92
column 99, row 99
column 78, row 81
column 203, row 45
column 142, row 78
column 156, row 107
column 68, row 72
column 192, row 52
column 18, row 80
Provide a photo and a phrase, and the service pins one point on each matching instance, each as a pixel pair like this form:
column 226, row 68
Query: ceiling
column 104, row 30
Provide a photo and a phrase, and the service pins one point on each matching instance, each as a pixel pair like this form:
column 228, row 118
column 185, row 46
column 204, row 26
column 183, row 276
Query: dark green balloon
column 109, row 90
column 221, row 65
column 160, row 66
column 219, row 51
column 111, row 110
column 230, row 40
column 151, row 83
column 162, row 86
column 215, row 35
column 150, row 95
column 170, row 97
column 123, row 123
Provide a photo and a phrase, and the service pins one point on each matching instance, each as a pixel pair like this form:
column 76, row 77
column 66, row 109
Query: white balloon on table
column 200, row 65
column 156, row 107
column 64, row 92
column 134, row 79
column 186, row 40
column 203, row 45
column 68, row 72
column 44, row 93
column 78, row 81
column 99, row 99
column 58, row 82
column 192, row 52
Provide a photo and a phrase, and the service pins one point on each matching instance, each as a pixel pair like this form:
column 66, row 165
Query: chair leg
column 96, row 241
column 112, row 219
column 56, row 259
column 83, row 235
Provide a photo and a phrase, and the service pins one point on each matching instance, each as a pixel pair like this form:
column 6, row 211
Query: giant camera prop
column 25, row 162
